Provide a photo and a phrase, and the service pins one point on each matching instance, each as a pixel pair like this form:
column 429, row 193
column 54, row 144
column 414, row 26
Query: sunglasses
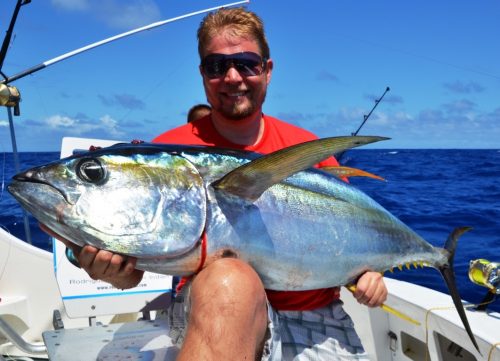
column 246, row 63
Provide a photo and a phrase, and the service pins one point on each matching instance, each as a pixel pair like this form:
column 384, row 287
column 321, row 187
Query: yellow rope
column 427, row 326
column 493, row 348
column 443, row 308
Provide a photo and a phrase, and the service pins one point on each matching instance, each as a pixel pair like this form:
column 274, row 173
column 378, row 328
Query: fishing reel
column 487, row 274
column 10, row 97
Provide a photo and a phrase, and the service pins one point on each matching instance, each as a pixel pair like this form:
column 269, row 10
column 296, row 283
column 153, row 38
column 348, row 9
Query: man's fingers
column 370, row 289
column 94, row 261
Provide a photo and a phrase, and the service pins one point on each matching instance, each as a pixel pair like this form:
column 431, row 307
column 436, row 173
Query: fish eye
column 91, row 170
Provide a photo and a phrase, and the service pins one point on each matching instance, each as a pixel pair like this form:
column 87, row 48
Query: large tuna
column 177, row 208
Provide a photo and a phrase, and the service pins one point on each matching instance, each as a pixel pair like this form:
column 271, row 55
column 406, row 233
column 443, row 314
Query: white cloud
column 116, row 14
column 111, row 125
column 75, row 126
column 130, row 15
column 60, row 121
column 4, row 123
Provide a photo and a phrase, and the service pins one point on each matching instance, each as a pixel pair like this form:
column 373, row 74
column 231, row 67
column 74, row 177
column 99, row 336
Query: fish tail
column 449, row 277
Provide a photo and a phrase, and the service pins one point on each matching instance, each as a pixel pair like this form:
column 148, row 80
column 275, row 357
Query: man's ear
column 269, row 70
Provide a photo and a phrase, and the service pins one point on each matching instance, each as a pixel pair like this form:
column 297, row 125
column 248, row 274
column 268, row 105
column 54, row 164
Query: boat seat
column 139, row 338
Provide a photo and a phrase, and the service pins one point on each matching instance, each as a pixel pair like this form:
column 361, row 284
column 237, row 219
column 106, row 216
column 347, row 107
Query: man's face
column 235, row 95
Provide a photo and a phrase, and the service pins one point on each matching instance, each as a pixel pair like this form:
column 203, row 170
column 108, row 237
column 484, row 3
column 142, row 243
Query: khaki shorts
column 323, row 334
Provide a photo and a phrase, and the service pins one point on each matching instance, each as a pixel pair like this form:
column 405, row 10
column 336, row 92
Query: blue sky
column 332, row 59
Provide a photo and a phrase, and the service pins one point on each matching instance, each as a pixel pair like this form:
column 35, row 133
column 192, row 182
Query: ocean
column 432, row 191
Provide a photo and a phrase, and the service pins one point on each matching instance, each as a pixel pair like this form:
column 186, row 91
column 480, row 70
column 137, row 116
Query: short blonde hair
column 239, row 22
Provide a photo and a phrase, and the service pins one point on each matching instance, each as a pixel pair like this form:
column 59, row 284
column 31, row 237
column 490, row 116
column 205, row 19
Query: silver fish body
column 310, row 230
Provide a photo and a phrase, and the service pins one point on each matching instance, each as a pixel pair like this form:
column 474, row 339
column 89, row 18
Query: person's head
column 235, row 62
column 198, row 111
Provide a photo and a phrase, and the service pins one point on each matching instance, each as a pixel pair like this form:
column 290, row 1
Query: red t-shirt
column 277, row 135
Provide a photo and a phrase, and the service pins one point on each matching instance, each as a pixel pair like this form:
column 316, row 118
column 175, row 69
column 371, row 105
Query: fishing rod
column 111, row 39
column 340, row 155
column 365, row 117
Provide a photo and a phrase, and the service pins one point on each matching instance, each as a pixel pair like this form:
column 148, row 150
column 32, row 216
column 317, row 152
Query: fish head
column 138, row 204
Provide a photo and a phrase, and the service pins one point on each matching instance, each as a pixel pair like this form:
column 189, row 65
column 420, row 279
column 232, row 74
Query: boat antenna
column 366, row 116
column 110, row 39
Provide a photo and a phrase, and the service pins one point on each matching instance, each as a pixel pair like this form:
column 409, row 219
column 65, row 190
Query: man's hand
column 370, row 289
column 103, row 265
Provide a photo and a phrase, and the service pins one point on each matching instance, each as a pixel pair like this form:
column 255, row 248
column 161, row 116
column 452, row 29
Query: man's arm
column 103, row 265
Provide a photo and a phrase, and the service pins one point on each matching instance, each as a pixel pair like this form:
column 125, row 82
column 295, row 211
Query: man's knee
column 228, row 313
column 227, row 280
column 230, row 294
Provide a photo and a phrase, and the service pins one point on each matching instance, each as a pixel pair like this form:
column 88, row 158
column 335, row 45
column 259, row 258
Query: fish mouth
column 23, row 181
column 29, row 193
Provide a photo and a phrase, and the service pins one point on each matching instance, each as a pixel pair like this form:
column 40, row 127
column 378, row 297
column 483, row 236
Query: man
column 229, row 314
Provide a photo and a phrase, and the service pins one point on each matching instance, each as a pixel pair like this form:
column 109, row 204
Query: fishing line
column 155, row 87
column 427, row 58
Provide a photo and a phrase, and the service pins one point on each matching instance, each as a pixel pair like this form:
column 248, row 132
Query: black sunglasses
column 246, row 63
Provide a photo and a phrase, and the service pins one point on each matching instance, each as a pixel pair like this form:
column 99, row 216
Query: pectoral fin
column 252, row 179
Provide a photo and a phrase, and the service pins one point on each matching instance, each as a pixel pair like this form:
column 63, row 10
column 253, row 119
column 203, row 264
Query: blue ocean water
column 432, row 191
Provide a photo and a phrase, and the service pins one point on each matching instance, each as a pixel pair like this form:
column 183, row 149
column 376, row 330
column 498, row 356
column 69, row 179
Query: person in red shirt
column 230, row 314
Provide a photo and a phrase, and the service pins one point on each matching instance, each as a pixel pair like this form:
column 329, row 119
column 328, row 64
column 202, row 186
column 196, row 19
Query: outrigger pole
column 113, row 38
column 366, row 116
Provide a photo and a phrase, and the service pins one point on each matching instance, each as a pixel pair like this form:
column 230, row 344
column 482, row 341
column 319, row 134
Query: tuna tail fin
column 449, row 277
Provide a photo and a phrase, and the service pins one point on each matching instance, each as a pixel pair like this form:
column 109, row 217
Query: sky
column 332, row 60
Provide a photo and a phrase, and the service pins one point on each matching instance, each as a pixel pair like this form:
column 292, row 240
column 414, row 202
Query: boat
column 51, row 310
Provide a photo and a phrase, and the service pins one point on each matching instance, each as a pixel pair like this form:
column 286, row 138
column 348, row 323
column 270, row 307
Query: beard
column 243, row 109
